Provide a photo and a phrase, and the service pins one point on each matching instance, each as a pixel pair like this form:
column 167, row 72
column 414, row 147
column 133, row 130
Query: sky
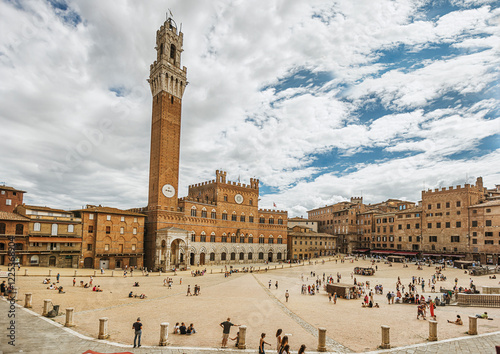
column 319, row 100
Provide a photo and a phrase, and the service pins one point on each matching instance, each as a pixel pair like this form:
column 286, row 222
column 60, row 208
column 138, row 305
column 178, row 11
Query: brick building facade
column 55, row 237
column 455, row 222
column 111, row 238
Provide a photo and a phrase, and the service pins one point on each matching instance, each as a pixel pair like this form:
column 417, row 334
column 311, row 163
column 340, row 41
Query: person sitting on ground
column 182, row 328
column 143, row 296
column 484, row 315
column 176, row 328
column 98, row 289
column 131, row 294
column 61, row 290
column 190, row 329
column 86, row 285
column 458, row 321
column 136, row 283
column 376, row 305
column 237, row 339
column 94, row 288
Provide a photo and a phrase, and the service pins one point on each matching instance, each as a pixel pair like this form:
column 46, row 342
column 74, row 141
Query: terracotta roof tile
column 108, row 210
column 4, row 215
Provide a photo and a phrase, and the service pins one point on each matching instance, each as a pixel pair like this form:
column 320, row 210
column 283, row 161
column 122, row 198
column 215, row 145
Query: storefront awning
column 382, row 251
column 453, row 255
column 405, row 253
column 361, row 250
column 55, row 239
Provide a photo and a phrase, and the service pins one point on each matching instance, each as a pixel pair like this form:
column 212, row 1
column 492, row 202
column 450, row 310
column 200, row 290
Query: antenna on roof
column 171, row 15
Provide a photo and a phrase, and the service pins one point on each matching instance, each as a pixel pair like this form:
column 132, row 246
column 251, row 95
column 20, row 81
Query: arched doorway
column 212, row 256
column 270, row 257
column 176, row 254
column 202, row 258
column 87, row 262
column 191, row 259
column 52, row 261
column 34, row 260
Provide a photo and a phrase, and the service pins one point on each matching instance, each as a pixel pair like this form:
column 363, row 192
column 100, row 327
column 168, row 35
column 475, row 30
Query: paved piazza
column 246, row 298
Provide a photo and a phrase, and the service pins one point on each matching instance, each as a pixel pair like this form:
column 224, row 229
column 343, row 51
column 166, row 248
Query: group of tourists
column 168, row 282
column 196, row 290
column 197, row 273
column 182, row 329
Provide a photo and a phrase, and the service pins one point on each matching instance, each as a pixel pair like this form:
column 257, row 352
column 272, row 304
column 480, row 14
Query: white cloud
column 71, row 140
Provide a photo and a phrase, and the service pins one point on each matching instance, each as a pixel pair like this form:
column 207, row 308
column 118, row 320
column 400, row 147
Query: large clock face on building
column 238, row 198
column 168, row 190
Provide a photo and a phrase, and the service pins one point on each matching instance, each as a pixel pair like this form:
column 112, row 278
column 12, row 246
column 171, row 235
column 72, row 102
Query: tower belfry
column 167, row 81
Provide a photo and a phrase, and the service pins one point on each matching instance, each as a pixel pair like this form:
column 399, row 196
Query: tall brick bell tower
column 167, row 81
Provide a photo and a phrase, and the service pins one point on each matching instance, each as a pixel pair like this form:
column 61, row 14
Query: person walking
column 58, row 276
column 278, row 339
column 287, row 295
column 226, row 328
column 262, row 343
column 137, row 326
column 74, row 281
column 302, row 349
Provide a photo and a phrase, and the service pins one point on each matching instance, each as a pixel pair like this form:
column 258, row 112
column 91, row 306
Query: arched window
column 193, row 211
column 233, row 216
column 250, row 238
column 224, row 215
column 204, row 212
column 261, row 239
column 280, row 240
column 172, row 52
column 270, row 239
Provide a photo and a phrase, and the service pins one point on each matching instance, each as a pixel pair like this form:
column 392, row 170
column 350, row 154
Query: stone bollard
column 46, row 306
column 160, row 273
column 112, row 273
column 50, row 272
column 69, row 317
column 76, row 272
column 95, row 273
column 321, row 339
column 433, row 331
column 243, row 335
column 27, row 300
column 164, row 334
column 103, row 328
column 386, row 340
column 472, row 325
column 25, row 272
